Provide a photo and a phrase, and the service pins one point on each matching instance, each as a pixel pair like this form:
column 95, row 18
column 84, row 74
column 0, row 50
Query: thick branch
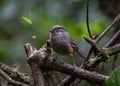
column 36, row 71
column 92, row 77
column 53, row 63
column 37, row 74
column 33, row 53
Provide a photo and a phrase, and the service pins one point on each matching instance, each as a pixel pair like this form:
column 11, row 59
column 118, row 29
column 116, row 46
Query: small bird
column 62, row 43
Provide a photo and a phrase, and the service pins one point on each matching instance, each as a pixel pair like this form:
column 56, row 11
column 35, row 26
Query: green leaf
column 27, row 20
column 114, row 79
column 33, row 37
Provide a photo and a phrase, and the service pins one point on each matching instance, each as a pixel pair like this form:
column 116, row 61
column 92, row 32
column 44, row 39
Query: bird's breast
column 61, row 46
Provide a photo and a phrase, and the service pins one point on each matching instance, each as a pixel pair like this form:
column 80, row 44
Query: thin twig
column 88, row 28
column 67, row 81
column 87, row 19
column 114, row 39
column 92, row 42
column 10, row 80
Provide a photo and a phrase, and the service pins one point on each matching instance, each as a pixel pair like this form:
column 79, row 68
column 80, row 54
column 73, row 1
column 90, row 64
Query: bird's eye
column 57, row 31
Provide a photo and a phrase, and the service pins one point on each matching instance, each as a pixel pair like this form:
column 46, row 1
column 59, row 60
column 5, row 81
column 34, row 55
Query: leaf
column 27, row 20
column 114, row 79
column 33, row 37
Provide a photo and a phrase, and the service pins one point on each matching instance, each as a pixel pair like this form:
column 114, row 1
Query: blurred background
column 15, row 32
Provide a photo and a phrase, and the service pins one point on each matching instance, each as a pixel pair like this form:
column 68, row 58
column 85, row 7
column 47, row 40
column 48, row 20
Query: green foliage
column 96, row 26
column 114, row 79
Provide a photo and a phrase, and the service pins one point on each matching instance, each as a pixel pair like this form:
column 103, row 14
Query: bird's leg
column 80, row 54
column 74, row 63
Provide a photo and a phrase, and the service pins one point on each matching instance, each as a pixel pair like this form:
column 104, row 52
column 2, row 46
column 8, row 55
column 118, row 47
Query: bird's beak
column 50, row 31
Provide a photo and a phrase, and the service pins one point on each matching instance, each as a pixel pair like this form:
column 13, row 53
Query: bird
column 62, row 43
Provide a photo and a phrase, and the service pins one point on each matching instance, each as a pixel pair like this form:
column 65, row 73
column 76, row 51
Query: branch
column 10, row 80
column 103, row 54
column 87, row 19
column 33, row 53
column 110, row 50
column 117, row 18
column 16, row 75
column 52, row 63
column 37, row 74
column 113, row 50
column 114, row 39
column 67, row 81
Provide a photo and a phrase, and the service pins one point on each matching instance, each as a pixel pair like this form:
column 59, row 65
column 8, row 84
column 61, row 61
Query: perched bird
column 62, row 43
